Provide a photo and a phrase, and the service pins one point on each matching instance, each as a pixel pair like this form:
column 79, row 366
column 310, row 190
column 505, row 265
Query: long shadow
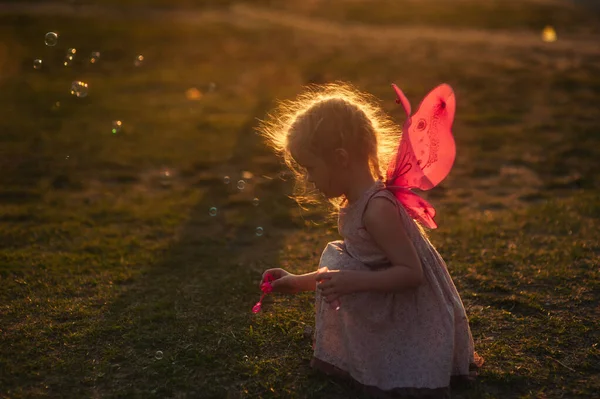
column 183, row 322
column 179, row 323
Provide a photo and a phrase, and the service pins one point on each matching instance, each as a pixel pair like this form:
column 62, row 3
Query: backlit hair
column 327, row 117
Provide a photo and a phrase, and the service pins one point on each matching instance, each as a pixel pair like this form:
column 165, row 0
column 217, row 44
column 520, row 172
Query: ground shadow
column 179, row 321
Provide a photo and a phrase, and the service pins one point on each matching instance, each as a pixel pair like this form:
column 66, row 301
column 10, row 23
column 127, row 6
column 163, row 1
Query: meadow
column 116, row 280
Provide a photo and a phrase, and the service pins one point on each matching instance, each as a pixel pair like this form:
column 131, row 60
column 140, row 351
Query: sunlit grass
column 105, row 260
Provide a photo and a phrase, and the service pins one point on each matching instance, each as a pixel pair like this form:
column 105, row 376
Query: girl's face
column 319, row 172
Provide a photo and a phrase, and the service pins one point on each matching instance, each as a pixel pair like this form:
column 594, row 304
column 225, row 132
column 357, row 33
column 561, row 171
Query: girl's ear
column 341, row 157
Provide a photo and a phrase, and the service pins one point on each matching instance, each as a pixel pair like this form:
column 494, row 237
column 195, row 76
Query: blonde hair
column 327, row 117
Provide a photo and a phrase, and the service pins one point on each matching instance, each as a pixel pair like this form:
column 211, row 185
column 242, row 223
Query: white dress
column 392, row 342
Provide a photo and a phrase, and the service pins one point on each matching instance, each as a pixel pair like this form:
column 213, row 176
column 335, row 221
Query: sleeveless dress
column 393, row 344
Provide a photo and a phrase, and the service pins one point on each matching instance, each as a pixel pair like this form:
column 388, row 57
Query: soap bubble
column 259, row 231
column 139, row 60
column 67, row 157
column 69, row 57
column 116, row 127
column 212, row 86
column 37, row 64
column 164, row 178
column 241, row 185
column 68, row 60
column 255, row 201
column 159, row 355
column 226, row 180
column 51, row 39
column 94, row 57
column 212, row 211
column 79, row 89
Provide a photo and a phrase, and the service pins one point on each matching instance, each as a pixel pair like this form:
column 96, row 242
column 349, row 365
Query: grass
column 494, row 14
column 491, row 14
column 108, row 253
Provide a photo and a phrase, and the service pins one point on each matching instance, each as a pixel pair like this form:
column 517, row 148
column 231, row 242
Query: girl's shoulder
column 380, row 206
column 384, row 205
column 381, row 195
column 384, row 198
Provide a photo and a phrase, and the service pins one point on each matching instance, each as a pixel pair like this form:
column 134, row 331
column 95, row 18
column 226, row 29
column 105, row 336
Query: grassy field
column 115, row 280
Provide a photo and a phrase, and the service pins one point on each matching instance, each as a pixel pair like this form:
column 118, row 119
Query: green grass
column 105, row 260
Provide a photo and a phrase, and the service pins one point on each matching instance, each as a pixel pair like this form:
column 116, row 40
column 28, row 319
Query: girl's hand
column 283, row 281
column 336, row 283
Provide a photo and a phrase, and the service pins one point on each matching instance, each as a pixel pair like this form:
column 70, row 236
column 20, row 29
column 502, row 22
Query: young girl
column 397, row 325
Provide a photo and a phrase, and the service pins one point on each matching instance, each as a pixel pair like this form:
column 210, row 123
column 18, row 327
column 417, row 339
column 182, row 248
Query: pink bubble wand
column 266, row 288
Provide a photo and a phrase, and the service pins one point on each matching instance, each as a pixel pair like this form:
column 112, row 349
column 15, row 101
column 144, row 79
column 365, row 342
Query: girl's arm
column 382, row 221
column 305, row 282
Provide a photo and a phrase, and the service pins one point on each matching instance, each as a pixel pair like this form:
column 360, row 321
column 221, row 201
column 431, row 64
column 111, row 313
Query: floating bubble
column 51, row 39
column 259, row 231
column 241, row 185
column 56, row 106
column 212, row 211
column 67, row 157
column 226, row 180
column 37, row 64
column 68, row 60
column 79, row 89
column 212, row 86
column 139, row 60
column 94, row 57
column 116, row 127
column 69, row 56
column 164, row 178
column 549, row 34
column 255, row 201
column 159, row 355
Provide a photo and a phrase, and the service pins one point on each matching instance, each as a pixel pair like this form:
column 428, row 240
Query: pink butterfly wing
column 427, row 151
column 402, row 100
column 416, row 207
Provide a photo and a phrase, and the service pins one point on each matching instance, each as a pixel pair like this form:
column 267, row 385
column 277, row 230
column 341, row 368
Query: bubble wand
column 266, row 288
